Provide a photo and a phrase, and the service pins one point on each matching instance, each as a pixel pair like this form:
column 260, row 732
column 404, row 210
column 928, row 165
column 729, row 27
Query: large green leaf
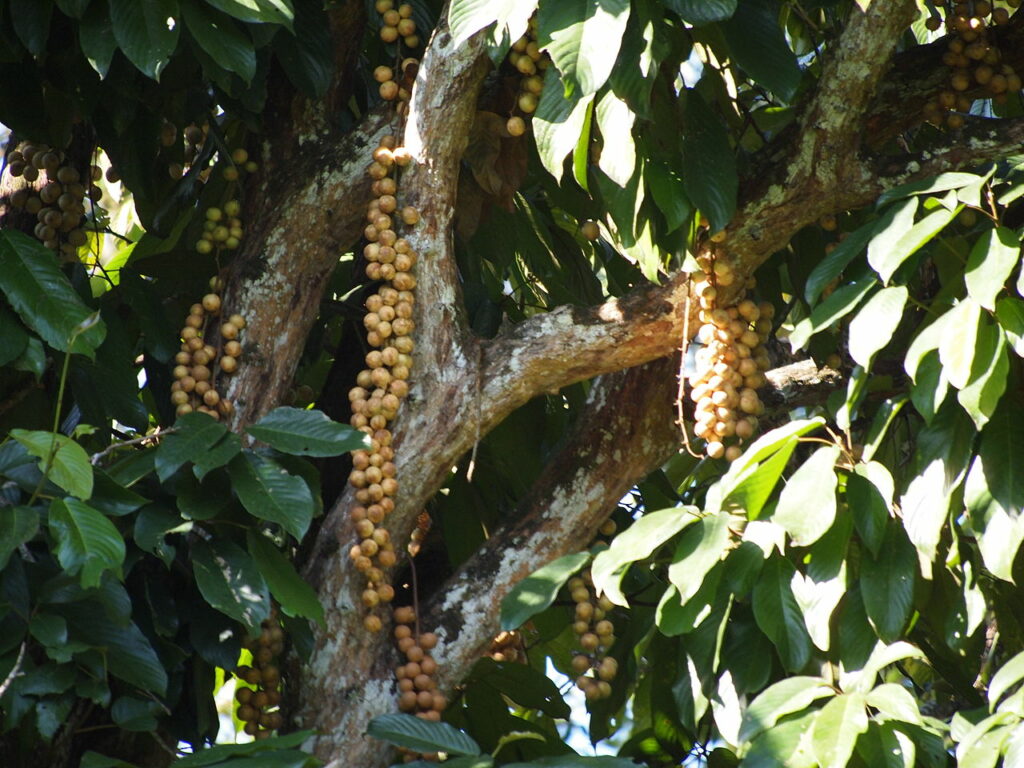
column 31, row 22
column 583, row 38
column 466, row 17
column 127, row 654
column 147, row 31
column 758, row 44
column 1001, row 454
column 1008, row 675
column 576, row 761
column 615, row 121
column 267, row 11
column 523, row 684
column 699, row 12
column 88, row 544
column 421, row 735
column 839, row 304
column 989, row 370
column 195, row 435
column 895, row 702
column 709, row 163
column 700, row 548
column 837, row 727
column 222, row 39
column 787, row 745
column 1010, row 313
column 260, row 754
column 96, row 36
column 778, row 613
column 824, row 584
column 558, row 123
column 887, row 584
column 669, row 194
column 307, row 433
column 230, row 581
column 896, row 222
column 269, row 492
column 869, row 507
column 873, row 326
column 830, row 267
column 956, row 348
column 31, row 278
column 637, row 543
column 68, row 462
column 893, row 245
column 13, row 336
column 940, row 183
column 17, row 525
column 296, row 597
column 538, row 590
column 807, row 505
column 992, row 259
column 789, row 695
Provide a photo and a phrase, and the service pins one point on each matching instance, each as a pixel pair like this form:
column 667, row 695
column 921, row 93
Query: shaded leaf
column 421, row 735
column 778, row 613
column 268, row 492
column 147, row 32
column 296, row 597
column 17, row 525
column 709, row 163
column 268, row 11
column 758, row 44
column 229, row 580
column 992, row 258
column 222, row 40
column 839, row 304
column 307, row 433
column 538, row 590
column 887, row 584
column 699, row 12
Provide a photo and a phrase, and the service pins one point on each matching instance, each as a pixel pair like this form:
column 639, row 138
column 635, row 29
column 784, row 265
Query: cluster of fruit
column 59, row 204
column 382, row 385
column 222, row 228
column 418, row 692
column 258, row 705
column 595, row 634
column 530, row 62
column 195, row 366
column 972, row 59
column 398, row 87
column 730, row 365
column 397, row 23
column 507, row 646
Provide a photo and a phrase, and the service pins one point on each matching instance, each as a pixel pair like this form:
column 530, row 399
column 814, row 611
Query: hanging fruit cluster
column 972, row 59
column 595, row 634
column 507, row 646
column 258, row 705
column 730, row 365
column 530, row 62
column 397, row 23
column 382, row 385
column 418, row 692
column 198, row 362
column 222, row 228
column 59, row 204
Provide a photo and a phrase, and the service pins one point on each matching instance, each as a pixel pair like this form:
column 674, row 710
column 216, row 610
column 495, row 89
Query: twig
column 95, row 458
column 15, row 671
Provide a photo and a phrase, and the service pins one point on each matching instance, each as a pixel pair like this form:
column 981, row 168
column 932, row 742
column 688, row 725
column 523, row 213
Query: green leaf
column 31, row 278
column 709, row 163
column 1008, row 675
column 526, row 686
column 830, row 267
column 699, row 550
column 17, row 525
column 558, row 123
column 307, row 433
column 96, row 36
column 699, row 12
column 297, row 598
column 839, row 304
column 944, row 449
column 989, row 370
column 1010, row 313
column 999, row 532
column 870, row 511
column 875, row 324
column 778, row 613
column 73, row 8
column 421, row 735
column 894, row 244
column 789, row 695
column 956, row 348
column 467, row 17
column 615, row 121
column 307, row 56
column 887, row 584
column 229, row 580
column 220, row 755
column 939, row 183
column 88, row 544
column 31, row 22
column 69, row 468
column 147, row 31
column 49, row 629
column 807, row 505
column 836, row 729
column 895, row 702
column 863, row 679
column 126, row 651
column 583, row 38
column 1000, row 454
column 538, row 590
column 221, row 38
column 195, row 435
column 925, row 341
column 576, row 761
column 268, row 492
column 637, row 542
column 884, row 417
column 992, row 259
column 13, row 336
column 758, row 44
column 267, row 11
column 669, row 194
